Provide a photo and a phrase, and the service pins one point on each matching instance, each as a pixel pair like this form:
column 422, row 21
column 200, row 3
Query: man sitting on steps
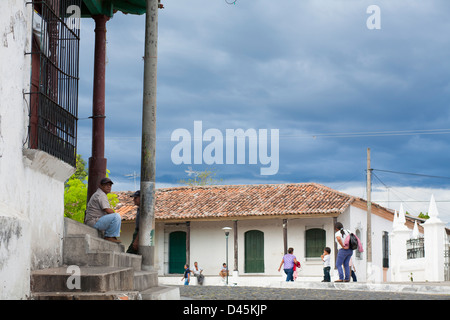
column 100, row 215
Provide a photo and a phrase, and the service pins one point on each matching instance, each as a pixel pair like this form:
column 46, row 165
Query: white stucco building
column 36, row 144
column 265, row 221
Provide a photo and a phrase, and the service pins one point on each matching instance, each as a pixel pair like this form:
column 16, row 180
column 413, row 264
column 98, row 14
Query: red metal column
column 97, row 162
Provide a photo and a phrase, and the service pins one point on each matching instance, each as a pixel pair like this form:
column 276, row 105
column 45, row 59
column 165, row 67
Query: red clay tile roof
column 237, row 201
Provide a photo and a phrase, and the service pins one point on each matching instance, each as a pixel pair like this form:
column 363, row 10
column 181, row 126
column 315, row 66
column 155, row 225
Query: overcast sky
column 312, row 69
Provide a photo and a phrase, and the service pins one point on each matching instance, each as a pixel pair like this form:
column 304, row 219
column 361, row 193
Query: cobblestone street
column 260, row 293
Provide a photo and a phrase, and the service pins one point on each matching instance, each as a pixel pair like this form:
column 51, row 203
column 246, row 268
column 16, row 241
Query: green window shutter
column 315, row 240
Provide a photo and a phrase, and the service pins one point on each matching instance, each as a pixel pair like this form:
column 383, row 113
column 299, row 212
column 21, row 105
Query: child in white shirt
column 326, row 264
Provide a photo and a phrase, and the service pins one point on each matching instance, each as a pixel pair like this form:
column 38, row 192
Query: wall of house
column 31, row 181
column 357, row 220
column 208, row 244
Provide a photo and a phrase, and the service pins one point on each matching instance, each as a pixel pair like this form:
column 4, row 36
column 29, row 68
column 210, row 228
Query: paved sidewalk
column 320, row 291
column 402, row 287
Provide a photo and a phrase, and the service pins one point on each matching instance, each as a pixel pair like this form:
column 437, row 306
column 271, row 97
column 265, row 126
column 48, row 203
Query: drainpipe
column 97, row 163
column 147, row 208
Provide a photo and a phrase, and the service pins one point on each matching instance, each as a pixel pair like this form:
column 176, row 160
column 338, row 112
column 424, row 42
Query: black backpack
column 353, row 242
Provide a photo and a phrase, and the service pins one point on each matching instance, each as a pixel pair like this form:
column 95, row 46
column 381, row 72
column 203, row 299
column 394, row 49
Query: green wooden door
column 177, row 251
column 254, row 251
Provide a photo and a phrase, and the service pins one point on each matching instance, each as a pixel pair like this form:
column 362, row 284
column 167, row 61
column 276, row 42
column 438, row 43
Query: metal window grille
column 54, row 79
column 385, row 245
column 415, row 248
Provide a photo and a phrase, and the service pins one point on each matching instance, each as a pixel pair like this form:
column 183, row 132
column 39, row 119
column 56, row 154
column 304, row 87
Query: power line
column 369, row 134
column 329, row 135
column 412, row 174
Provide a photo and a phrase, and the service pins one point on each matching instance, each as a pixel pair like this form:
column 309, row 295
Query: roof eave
column 251, row 217
column 91, row 8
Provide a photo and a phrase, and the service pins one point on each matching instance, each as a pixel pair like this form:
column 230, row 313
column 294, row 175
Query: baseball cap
column 136, row 194
column 106, row 180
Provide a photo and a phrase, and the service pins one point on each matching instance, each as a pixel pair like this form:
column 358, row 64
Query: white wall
column 358, row 220
column 31, row 181
column 208, row 244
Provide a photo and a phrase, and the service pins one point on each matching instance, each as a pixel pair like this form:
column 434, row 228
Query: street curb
column 383, row 287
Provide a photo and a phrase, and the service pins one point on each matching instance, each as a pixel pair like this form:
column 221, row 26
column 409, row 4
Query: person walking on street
column 344, row 253
column 326, row 264
column 289, row 260
column 186, row 275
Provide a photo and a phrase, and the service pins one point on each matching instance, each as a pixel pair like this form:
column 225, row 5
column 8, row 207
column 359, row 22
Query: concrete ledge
column 425, row 288
column 47, row 164
column 278, row 282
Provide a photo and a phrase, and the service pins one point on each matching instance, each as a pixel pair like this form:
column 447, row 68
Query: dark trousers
column 353, row 274
column 326, row 274
column 130, row 248
column 289, row 274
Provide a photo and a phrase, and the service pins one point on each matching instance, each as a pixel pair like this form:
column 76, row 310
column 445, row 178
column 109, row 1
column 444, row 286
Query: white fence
column 420, row 257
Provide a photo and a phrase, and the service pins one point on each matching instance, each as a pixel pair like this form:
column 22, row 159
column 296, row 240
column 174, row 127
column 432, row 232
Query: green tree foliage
column 75, row 193
column 424, row 215
column 202, row 178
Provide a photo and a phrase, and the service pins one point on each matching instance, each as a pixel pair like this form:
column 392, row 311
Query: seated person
column 224, row 271
column 100, row 215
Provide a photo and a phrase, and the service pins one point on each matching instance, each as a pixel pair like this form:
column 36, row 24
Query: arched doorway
column 177, row 251
column 254, row 252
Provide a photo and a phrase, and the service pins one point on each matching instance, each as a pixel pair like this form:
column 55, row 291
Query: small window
column 315, row 242
column 385, row 249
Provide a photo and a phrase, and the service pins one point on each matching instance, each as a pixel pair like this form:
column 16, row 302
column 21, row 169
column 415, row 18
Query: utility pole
column 148, row 158
column 369, row 218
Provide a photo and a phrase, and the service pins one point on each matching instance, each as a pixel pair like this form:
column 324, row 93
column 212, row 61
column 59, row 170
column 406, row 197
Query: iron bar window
column 385, row 247
column 54, row 78
column 415, row 248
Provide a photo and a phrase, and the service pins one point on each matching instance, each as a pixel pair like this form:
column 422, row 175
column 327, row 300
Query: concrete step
column 144, row 280
column 79, row 245
column 84, row 246
column 91, row 279
column 114, row 259
column 111, row 295
column 74, row 227
column 83, row 250
column 161, row 293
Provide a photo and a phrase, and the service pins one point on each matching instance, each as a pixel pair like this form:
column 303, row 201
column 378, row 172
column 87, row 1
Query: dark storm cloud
column 304, row 67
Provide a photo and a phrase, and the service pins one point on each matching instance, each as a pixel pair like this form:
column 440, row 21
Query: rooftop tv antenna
column 133, row 175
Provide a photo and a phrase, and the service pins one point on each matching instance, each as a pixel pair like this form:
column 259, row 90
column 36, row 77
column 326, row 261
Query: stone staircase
column 105, row 271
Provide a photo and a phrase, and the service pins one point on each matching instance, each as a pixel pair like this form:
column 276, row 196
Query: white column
column 400, row 234
column 434, row 233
